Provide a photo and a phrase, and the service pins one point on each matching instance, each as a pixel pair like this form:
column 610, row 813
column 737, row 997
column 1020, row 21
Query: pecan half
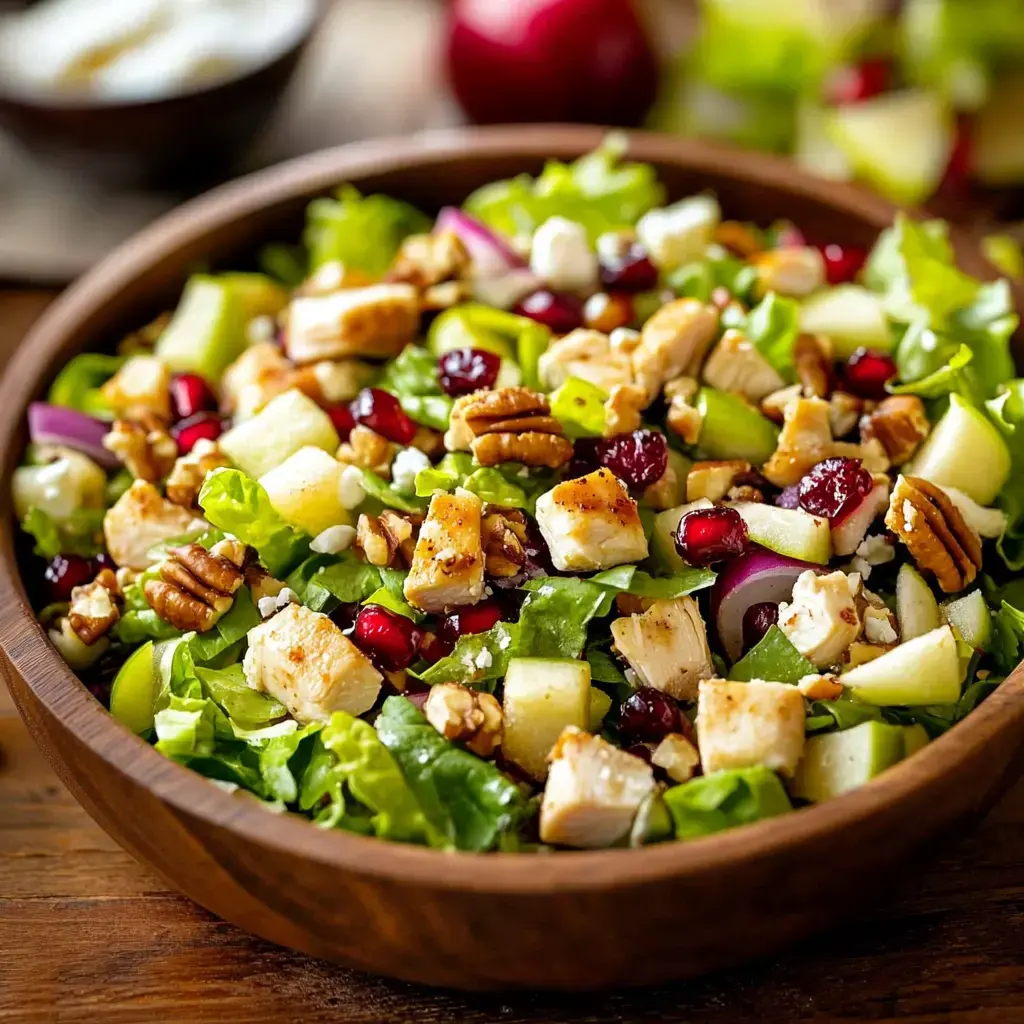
column 514, row 425
column 196, row 586
column 93, row 608
column 503, row 535
column 528, row 447
column 144, row 447
column 900, row 423
column 812, row 360
column 934, row 531
column 186, row 478
column 465, row 716
column 388, row 538
column 367, row 449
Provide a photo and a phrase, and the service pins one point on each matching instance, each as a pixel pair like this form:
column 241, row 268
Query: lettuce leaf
column 348, row 580
column 914, row 356
column 283, row 761
column 479, row 660
column 724, row 800
column 772, row 327
column 377, row 487
column 1007, row 637
column 80, row 534
column 635, row 581
column 467, row 802
column 228, row 630
column 412, row 378
column 598, row 191
column 448, row 474
column 240, row 506
column 773, row 658
column 553, row 620
column 77, row 386
column 1006, row 411
column 359, row 231
column 244, row 706
column 842, row 713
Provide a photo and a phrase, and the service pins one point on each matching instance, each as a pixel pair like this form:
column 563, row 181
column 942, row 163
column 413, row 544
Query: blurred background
column 111, row 111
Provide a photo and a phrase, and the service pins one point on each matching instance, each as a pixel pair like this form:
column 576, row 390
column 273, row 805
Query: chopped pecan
column 465, row 716
column 774, row 405
column 623, row 411
column 684, row 420
column 196, row 586
column 514, row 425
column 605, row 312
column 844, row 410
column 738, row 238
column 93, row 608
column 145, row 448
column 141, row 386
column 929, row 523
column 746, row 492
column 812, row 360
column 528, row 447
column 388, row 538
column 503, row 535
column 484, row 407
column 186, row 478
column 713, row 480
column 367, row 449
column 426, row 260
column 900, row 423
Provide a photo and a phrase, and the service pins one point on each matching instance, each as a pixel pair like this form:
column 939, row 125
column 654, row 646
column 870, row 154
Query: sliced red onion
column 748, row 580
column 492, row 256
column 53, row 424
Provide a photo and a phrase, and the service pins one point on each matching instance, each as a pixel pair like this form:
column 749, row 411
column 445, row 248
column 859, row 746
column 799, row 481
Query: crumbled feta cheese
column 680, row 233
column 484, row 659
column 878, row 626
column 333, row 540
column 351, row 492
column 822, row 620
column 562, row 256
column 876, row 550
column 408, row 462
column 267, row 606
column 285, row 598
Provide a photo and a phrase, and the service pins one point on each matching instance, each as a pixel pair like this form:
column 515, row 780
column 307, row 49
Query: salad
column 572, row 518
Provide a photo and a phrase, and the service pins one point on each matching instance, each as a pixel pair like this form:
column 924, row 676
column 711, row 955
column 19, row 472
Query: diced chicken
column 593, row 792
column 805, row 440
column 677, row 756
column 714, row 480
column 588, row 355
column 822, row 619
column 562, row 257
column 666, row 646
column 792, row 270
column 259, row 374
column 743, row 725
column 376, row 321
column 303, row 659
column 141, row 386
column 591, row 523
column 448, row 562
column 735, row 365
column 674, row 342
column 141, row 519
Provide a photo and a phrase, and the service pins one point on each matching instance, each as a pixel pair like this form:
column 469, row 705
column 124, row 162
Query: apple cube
column 837, row 762
column 850, row 316
column 789, row 531
column 925, row 670
column 304, row 489
column 207, row 333
column 917, row 611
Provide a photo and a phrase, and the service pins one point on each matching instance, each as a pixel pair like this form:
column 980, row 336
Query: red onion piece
column 748, row 580
column 492, row 256
column 53, row 424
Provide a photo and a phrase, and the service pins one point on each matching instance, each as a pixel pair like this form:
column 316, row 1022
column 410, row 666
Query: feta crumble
column 333, row 540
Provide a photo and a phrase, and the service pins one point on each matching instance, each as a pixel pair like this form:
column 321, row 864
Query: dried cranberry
column 204, row 426
column 637, row 459
column 866, row 373
column 648, row 714
column 789, row 497
column 64, row 573
column 389, row 638
column 834, row 488
column 631, row 270
column 757, row 620
column 559, row 312
column 344, row 616
column 343, row 420
column 191, row 394
column 842, row 262
column 860, row 82
column 471, row 618
column 382, row 412
column 711, row 535
column 465, row 370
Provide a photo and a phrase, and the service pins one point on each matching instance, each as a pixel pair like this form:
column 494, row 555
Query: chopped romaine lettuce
column 773, row 658
column 377, row 487
column 664, row 588
column 412, row 378
column 725, row 799
column 81, row 533
column 77, row 386
column 1007, row 412
column 229, row 629
column 772, row 327
column 244, row 706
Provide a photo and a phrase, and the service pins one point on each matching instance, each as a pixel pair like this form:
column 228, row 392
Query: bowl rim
column 58, row 689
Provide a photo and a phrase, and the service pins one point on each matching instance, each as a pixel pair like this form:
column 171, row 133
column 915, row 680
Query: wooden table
column 87, row 936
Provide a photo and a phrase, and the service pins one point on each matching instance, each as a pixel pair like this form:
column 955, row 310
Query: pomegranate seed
column 842, row 262
column 834, row 488
column 190, row 394
column 472, row 618
column 757, row 620
column 637, row 459
column 860, row 82
column 465, row 370
column 648, row 714
column 866, row 373
column 789, row 497
column 560, row 313
column 391, row 639
column 382, row 412
column 343, row 420
column 630, row 271
column 203, row 426
column 64, row 573
column 711, row 535
column 432, row 648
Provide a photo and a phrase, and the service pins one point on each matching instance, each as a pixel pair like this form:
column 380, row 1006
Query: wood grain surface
column 87, row 935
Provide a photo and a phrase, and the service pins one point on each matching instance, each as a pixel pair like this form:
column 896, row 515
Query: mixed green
column 568, row 519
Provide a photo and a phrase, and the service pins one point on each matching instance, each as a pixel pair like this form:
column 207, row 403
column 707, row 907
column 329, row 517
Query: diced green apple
column 733, row 429
column 965, row 451
column 287, row 423
column 970, row 618
column 663, row 541
column 207, row 332
column 850, row 316
column 836, row 762
column 305, row 490
column 542, row 696
column 899, row 142
column 788, row 531
column 814, row 149
column 925, row 670
column 59, row 488
column 133, row 695
column 258, row 294
column 997, row 137
column 915, row 738
column 600, row 705
column 917, row 611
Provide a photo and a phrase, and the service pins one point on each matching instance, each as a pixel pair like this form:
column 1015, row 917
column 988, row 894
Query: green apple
column 133, row 695
column 965, row 451
column 850, row 316
column 305, row 490
column 600, row 705
column 663, row 537
column 814, row 149
column 788, row 531
column 733, row 429
column 915, row 738
column 917, row 611
column 207, row 332
column 898, row 143
column 970, row 618
column 997, row 138
column 258, row 294
column 837, row 762
column 542, row 696
column 925, row 670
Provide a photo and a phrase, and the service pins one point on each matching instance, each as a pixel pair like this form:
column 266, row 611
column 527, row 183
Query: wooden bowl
column 574, row 920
